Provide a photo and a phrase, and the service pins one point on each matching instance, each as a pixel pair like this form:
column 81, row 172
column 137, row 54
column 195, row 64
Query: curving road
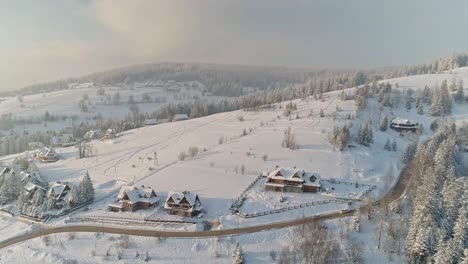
column 393, row 195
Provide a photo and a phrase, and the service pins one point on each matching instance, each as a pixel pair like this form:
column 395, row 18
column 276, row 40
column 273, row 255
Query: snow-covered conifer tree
column 238, row 255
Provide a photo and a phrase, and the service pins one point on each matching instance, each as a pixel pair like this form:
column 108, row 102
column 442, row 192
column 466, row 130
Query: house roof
column 284, row 173
column 177, row 197
column 312, row 179
column 298, row 175
column 92, row 133
column 4, row 169
column 31, row 177
column 31, row 187
column 58, row 189
column 181, row 116
column 400, row 120
column 138, row 194
column 48, row 152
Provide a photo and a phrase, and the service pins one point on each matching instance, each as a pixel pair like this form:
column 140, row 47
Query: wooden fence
column 298, row 206
column 239, row 201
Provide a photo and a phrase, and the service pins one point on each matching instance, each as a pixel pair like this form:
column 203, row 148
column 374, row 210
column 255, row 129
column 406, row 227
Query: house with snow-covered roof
column 93, row 134
column 292, row 180
column 30, row 188
column 180, row 117
column 64, row 140
column 134, row 198
column 402, row 124
column 183, row 204
column 110, row 133
column 46, row 154
column 60, row 193
column 31, row 177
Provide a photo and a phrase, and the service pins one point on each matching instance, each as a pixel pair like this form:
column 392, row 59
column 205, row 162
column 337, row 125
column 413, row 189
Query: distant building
column 110, row 133
column 293, row 180
column 134, row 198
column 401, row 124
column 93, row 134
column 184, row 204
column 180, row 117
column 46, row 154
column 64, row 140
column 154, row 121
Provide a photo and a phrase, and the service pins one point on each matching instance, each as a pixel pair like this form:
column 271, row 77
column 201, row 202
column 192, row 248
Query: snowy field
column 66, row 102
column 220, row 172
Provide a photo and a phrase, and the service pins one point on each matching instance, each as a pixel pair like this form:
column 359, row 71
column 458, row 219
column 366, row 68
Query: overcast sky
column 48, row 40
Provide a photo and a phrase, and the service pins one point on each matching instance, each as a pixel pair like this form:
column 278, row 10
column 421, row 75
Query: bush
column 193, row 151
column 264, row 157
column 273, row 255
column 182, row 155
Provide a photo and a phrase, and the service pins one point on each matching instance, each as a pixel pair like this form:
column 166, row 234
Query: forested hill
column 232, row 80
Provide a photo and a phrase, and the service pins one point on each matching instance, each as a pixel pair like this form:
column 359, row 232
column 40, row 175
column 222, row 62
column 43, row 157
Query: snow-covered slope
column 215, row 173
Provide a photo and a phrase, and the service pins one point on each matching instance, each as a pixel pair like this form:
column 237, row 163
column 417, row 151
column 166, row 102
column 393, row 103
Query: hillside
column 234, row 149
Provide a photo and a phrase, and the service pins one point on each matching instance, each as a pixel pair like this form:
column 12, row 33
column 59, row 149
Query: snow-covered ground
column 216, row 172
column 66, row 102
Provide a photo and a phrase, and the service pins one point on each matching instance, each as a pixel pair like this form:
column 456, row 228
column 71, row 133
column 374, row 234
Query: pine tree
column 394, row 145
column 460, row 237
column 465, row 258
column 420, row 109
column 238, row 255
column 322, row 114
column 408, row 152
column 355, row 224
column 86, row 189
column 387, row 145
column 21, row 202
column 460, row 95
column 360, row 138
column 369, row 133
column 384, row 124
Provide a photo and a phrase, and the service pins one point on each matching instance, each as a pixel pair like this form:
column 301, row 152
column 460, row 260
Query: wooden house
column 60, row 193
column 183, row 203
column 64, row 140
column 93, row 134
column 402, row 124
column 292, row 180
column 46, row 154
column 134, row 198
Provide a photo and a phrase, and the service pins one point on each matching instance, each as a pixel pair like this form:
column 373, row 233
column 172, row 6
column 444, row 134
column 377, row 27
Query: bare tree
column 288, row 140
column 84, row 149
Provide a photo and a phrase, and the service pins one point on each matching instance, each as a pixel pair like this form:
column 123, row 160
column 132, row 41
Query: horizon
column 43, row 42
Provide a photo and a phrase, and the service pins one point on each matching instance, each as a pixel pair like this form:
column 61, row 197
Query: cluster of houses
column 185, row 204
column 32, row 182
column 293, row 180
